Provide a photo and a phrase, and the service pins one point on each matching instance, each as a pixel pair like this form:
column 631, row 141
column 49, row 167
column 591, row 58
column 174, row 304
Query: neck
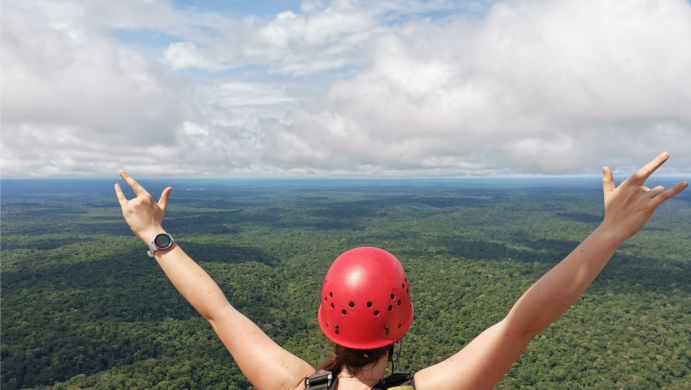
column 369, row 376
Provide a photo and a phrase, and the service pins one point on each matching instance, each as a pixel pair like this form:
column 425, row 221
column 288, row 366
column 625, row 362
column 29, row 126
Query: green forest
column 84, row 307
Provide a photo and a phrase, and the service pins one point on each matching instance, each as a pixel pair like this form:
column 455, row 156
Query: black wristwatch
column 160, row 242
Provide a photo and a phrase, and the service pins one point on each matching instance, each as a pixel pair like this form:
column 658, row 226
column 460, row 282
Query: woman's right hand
column 142, row 214
column 629, row 206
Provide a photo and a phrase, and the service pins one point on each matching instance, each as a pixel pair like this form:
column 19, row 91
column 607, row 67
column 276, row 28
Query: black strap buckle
column 320, row 380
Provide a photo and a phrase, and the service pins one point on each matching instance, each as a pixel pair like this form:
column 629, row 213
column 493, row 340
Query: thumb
column 163, row 202
column 607, row 181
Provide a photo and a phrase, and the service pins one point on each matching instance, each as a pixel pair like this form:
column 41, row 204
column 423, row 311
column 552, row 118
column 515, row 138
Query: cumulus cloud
column 347, row 88
column 75, row 101
column 321, row 37
column 554, row 87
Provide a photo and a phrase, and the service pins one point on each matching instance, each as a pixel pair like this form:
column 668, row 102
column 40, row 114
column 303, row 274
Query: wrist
column 611, row 234
column 160, row 244
column 148, row 235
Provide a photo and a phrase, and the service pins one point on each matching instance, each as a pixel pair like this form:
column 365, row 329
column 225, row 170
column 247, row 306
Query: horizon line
column 526, row 176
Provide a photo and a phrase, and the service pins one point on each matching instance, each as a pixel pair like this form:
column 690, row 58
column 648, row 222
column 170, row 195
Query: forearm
column 557, row 290
column 193, row 283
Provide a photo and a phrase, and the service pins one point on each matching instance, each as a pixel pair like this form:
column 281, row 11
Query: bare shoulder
column 479, row 365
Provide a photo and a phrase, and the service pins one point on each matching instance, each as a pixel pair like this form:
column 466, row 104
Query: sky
column 344, row 88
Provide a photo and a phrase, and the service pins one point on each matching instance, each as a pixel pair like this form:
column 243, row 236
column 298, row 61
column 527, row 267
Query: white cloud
column 533, row 86
column 58, row 77
column 548, row 87
column 290, row 43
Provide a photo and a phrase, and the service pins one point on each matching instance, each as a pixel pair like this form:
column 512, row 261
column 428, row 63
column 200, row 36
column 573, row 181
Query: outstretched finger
column 642, row 175
column 121, row 197
column 136, row 187
column 163, row 202
column 607, row 181
column 655, row 191
column 671, row 192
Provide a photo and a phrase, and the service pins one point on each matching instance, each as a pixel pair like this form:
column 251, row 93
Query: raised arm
column 264, row 363
column 482, row 363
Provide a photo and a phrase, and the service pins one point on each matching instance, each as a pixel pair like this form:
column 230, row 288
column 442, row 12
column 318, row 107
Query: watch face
column 162, row 241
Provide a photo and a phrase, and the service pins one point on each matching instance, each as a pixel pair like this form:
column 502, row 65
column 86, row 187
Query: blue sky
column 240, row 8
column 344, row 88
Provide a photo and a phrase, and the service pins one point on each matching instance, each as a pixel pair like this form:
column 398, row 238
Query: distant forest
column 84, row 307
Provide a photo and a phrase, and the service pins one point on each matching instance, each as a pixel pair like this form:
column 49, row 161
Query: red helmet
column 365, row 300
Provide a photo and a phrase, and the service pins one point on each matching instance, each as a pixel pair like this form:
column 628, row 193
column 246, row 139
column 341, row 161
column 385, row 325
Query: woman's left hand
column 629, row 206
column 142, row 214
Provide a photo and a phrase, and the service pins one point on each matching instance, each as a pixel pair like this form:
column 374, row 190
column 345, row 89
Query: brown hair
column 353, row 359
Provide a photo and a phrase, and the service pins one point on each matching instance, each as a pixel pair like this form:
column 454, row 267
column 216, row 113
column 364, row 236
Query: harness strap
column 397, row 382
column 325, row 380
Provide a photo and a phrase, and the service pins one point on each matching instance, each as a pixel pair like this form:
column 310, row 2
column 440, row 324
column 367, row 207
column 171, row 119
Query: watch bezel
column 153, row 242
column 153, row 247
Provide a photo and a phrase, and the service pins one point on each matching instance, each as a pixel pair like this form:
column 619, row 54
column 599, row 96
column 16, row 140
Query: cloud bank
column 345, row 88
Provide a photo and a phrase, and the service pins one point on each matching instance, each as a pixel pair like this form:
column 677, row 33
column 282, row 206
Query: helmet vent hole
column 331, row 294
column 344, row 312
column 351, row 304
column 376, row 312
column 393, row 296
column 390, row 307
column 327, row 324
column 326, row 299
column 399, row 302
column 403, row 286
column 332, row 305
column 406, row 280
column 399, row 325
column 369, row 304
